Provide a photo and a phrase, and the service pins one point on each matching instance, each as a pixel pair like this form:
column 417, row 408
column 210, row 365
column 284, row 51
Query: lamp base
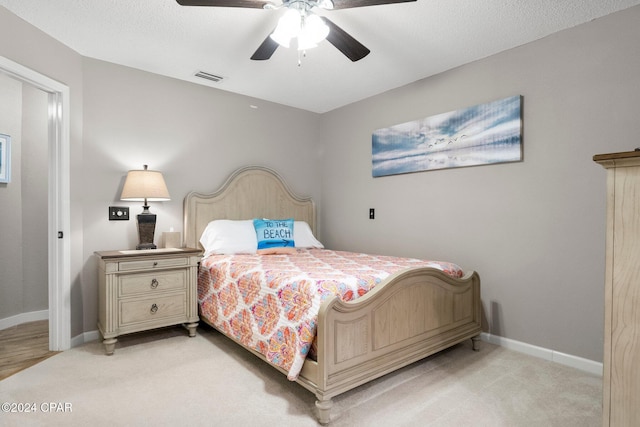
column 146, row 246
column 146, row 229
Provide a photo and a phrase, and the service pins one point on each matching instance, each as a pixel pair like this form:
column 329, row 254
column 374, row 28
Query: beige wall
column 533, row 230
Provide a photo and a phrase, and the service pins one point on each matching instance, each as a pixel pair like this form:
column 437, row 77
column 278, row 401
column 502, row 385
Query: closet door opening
column 42, row 217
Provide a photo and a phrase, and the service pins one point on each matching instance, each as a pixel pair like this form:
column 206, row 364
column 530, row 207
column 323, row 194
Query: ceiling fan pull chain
column 301, row 54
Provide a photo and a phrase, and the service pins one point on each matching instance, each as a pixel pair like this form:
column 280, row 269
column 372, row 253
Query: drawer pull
column 154, row 308
column 155, row 263
column 154, row 283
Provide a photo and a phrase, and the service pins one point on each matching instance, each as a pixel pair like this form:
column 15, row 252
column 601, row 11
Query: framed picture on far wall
column 479, row 135
column 5, row 158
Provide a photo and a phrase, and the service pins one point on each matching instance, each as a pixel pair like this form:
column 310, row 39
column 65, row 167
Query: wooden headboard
column 250, row 192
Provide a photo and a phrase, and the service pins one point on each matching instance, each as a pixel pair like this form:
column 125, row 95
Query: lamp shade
column 145, row 185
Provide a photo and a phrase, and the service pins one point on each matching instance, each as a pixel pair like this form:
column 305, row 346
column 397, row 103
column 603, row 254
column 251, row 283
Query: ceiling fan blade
column 265, row 50
column 347, row 4
column 257, row 4
column 350, row 47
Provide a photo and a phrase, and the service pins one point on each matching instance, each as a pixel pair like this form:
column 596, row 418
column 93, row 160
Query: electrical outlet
column 372, row 213
column 118, row 213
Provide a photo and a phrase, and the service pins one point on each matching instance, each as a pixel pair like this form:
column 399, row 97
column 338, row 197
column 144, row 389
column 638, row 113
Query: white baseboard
column 545, row 353
column 85, row 337
column 21, row 318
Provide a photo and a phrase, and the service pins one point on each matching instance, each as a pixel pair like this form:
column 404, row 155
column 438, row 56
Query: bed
column 411, row 314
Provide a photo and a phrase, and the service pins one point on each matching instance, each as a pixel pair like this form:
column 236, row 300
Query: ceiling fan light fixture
column 281, row 39
column 304, row 43
column 313, row 31
column 289, row 26
column 309, row 29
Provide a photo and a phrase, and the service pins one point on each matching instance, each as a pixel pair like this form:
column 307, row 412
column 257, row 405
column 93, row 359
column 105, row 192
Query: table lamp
column 148, row 186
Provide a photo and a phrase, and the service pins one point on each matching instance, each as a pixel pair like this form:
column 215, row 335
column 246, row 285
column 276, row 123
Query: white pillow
column 226, row 236
column 303, row 236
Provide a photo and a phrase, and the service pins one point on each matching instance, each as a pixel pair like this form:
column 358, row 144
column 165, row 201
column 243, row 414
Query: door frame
column 59, row 217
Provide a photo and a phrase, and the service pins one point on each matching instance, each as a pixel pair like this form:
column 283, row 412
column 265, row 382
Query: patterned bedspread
column 270, row 303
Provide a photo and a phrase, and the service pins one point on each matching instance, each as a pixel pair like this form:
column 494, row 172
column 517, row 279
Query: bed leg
column 474, row 341
column 324, row 410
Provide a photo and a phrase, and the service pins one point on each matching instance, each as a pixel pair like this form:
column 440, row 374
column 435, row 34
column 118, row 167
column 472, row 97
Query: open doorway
column 58, row 200
column 24, row 314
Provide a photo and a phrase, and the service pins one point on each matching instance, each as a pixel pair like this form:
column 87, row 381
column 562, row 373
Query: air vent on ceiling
column 209, row 76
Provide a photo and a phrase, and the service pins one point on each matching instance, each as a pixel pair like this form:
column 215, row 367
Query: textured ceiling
column 408, row 41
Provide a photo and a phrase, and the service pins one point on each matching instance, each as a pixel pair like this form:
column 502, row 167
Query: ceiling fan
column 301, row 23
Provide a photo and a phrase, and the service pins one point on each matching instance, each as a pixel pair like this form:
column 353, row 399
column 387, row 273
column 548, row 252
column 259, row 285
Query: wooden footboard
column 411, row 315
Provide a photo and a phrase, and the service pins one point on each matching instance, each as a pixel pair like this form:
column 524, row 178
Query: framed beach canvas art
column 5, row 158
column 478, row 135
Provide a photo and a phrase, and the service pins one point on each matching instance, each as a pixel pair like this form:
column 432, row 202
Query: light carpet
column 165, row 378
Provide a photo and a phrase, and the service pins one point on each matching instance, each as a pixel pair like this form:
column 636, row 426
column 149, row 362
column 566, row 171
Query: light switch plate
column 118, row 213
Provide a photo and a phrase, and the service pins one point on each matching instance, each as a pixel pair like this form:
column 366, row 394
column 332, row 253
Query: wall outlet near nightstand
column 118, row 213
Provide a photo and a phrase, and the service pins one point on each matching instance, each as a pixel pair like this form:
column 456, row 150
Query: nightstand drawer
column 152, row 309
column 152, row 263
column 149, row 283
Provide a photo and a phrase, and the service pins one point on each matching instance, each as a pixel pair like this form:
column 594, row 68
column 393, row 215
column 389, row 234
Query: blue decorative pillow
column 274, row 233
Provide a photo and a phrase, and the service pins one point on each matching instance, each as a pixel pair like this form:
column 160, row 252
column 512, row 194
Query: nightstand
column 140, row 290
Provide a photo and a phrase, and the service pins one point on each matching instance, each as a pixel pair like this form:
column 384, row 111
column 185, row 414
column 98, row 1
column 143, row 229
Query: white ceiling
column 408, row 41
